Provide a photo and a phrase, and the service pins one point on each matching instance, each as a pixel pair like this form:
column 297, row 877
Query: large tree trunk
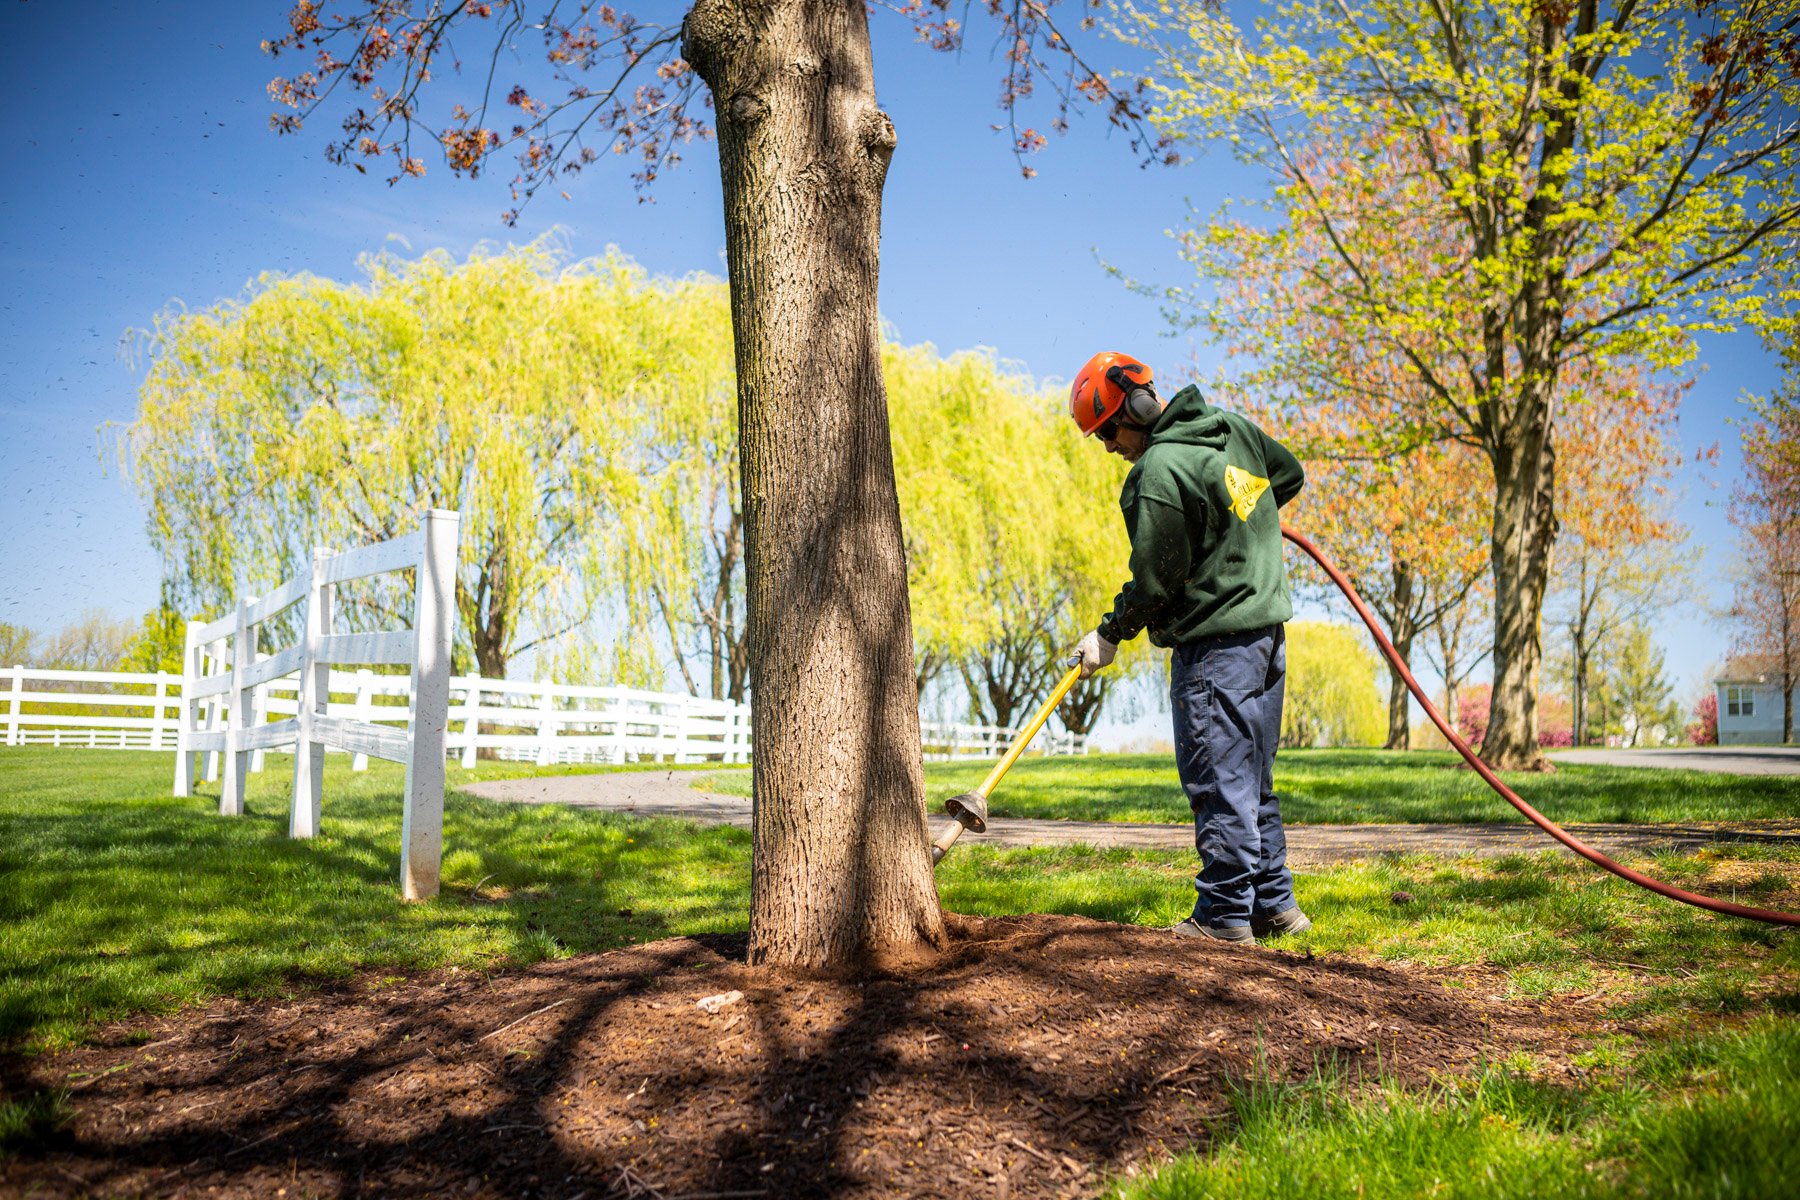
column 840, row 870
column 1399, row 734
column 1524, row 530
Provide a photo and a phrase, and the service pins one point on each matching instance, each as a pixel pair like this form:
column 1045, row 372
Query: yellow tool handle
column 1030, row 731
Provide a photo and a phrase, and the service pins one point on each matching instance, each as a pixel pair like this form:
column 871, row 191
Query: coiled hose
column 1537, row 818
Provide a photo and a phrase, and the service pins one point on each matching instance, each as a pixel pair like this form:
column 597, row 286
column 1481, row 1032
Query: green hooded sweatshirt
column 1205, row 537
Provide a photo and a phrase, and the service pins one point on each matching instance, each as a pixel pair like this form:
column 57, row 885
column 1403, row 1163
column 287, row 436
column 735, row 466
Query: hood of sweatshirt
column 1189, row 420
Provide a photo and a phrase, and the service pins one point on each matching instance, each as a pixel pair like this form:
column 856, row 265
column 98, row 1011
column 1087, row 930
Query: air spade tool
column 970, row 808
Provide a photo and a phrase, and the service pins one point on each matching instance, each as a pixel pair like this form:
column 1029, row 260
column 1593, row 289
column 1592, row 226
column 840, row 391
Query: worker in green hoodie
column 1207, row 582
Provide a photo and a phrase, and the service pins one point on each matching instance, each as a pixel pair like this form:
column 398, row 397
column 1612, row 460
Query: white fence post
column 620, row 707
column 546, row 730
column 12, row 710
column 364, row 711
column 471, row 720
column 259, row 713
column 237, row 714
column 434, row 599
column 157, row 723
column 311, row 695
column 214, row 714
column 187, row 713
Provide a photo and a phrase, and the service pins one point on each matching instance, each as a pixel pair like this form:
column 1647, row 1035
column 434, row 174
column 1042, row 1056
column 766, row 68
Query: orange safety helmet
column 1109, row 385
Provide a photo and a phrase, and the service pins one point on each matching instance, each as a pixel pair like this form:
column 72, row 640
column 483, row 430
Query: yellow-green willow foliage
column 1014, row 539
column 312, row 412
column 583, row 419
column 1332, row 698
column 679, row 551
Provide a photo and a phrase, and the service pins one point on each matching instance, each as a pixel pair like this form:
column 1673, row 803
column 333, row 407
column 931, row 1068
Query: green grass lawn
column 1335, row 787
column 1712, row 1115
column 119, row 900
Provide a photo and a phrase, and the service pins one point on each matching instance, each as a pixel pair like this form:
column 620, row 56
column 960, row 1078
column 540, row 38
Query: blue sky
column 142, row 174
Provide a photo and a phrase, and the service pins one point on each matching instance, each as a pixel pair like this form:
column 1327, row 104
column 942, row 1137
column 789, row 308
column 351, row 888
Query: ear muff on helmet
column 1113, row 385
column 1141, row 406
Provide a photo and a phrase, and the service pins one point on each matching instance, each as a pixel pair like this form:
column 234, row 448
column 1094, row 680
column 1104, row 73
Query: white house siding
column 1762, row 727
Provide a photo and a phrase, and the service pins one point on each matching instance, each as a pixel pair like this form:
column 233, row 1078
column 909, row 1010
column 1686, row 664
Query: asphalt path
column 671, row 794
column 1727, row 760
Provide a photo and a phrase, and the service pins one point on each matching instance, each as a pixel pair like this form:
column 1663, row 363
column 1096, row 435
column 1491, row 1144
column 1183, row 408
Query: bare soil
column 1041, row 1056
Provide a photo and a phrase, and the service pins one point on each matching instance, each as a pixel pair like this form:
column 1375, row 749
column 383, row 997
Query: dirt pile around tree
column 1043, row 1055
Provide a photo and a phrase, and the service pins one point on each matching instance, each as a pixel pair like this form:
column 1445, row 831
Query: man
column 1208, row 582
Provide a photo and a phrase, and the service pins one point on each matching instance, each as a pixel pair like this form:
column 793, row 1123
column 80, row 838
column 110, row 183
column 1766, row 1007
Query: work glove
column 1093, row 652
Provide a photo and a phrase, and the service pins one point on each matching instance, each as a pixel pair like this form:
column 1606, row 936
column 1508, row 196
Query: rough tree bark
column 1581, row 648
column 841, row 872
column 1401, row 631
column 1524, row 531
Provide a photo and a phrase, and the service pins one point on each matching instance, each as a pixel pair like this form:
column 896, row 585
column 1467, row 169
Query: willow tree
column 1331, row 697
column 1012, row 530
column 318, row 413
column 1591, row 181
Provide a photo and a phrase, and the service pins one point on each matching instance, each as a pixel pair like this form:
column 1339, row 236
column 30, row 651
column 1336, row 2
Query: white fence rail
column 225, row 695
column 520, row 720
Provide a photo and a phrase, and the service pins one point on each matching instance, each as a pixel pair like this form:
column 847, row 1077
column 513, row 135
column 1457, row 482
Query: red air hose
column 1531, row 814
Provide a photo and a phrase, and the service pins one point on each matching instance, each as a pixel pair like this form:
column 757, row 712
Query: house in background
column 1750, row 701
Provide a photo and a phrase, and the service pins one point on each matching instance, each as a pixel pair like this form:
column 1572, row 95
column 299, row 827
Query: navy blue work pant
column 1226, row 696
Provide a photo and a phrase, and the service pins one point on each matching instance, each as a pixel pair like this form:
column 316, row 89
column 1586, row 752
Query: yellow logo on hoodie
column 1245, row 489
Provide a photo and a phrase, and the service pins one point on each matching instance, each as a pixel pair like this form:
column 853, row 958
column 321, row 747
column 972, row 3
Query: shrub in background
column 1705, row 729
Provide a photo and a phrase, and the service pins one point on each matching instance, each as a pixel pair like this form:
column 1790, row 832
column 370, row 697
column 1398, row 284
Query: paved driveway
column 1727, row 760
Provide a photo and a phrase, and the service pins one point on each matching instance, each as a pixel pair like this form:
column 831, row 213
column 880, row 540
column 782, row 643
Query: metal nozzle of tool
column 970, row 811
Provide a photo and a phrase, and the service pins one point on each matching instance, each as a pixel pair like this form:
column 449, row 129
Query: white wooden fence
column 225, row 697
column 124, row 710
column 521, row 720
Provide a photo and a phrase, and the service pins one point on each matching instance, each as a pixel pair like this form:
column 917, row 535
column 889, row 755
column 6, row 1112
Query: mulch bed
column 1042, row 1056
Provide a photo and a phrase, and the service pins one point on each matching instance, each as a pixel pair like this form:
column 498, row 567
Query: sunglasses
column 1109, row 432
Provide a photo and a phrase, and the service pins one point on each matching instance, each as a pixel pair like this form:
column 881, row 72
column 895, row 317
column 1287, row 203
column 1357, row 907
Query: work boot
column 1287, row 921
column 1236, row 934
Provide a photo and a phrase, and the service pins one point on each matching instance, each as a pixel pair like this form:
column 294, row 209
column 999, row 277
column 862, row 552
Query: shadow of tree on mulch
column 1041, row 1055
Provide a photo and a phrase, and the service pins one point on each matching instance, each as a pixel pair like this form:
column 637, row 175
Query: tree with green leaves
column 160, row 640
column 317, row 413
column 1013, row 534
column 1636, row 700
column 1487, row 193
column 1331, row 697
column 18, row 644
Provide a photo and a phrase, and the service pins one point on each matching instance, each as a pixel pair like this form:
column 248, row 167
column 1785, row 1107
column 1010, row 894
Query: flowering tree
column 1614, row 562
column 1570, row 181
column 1704, row 730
